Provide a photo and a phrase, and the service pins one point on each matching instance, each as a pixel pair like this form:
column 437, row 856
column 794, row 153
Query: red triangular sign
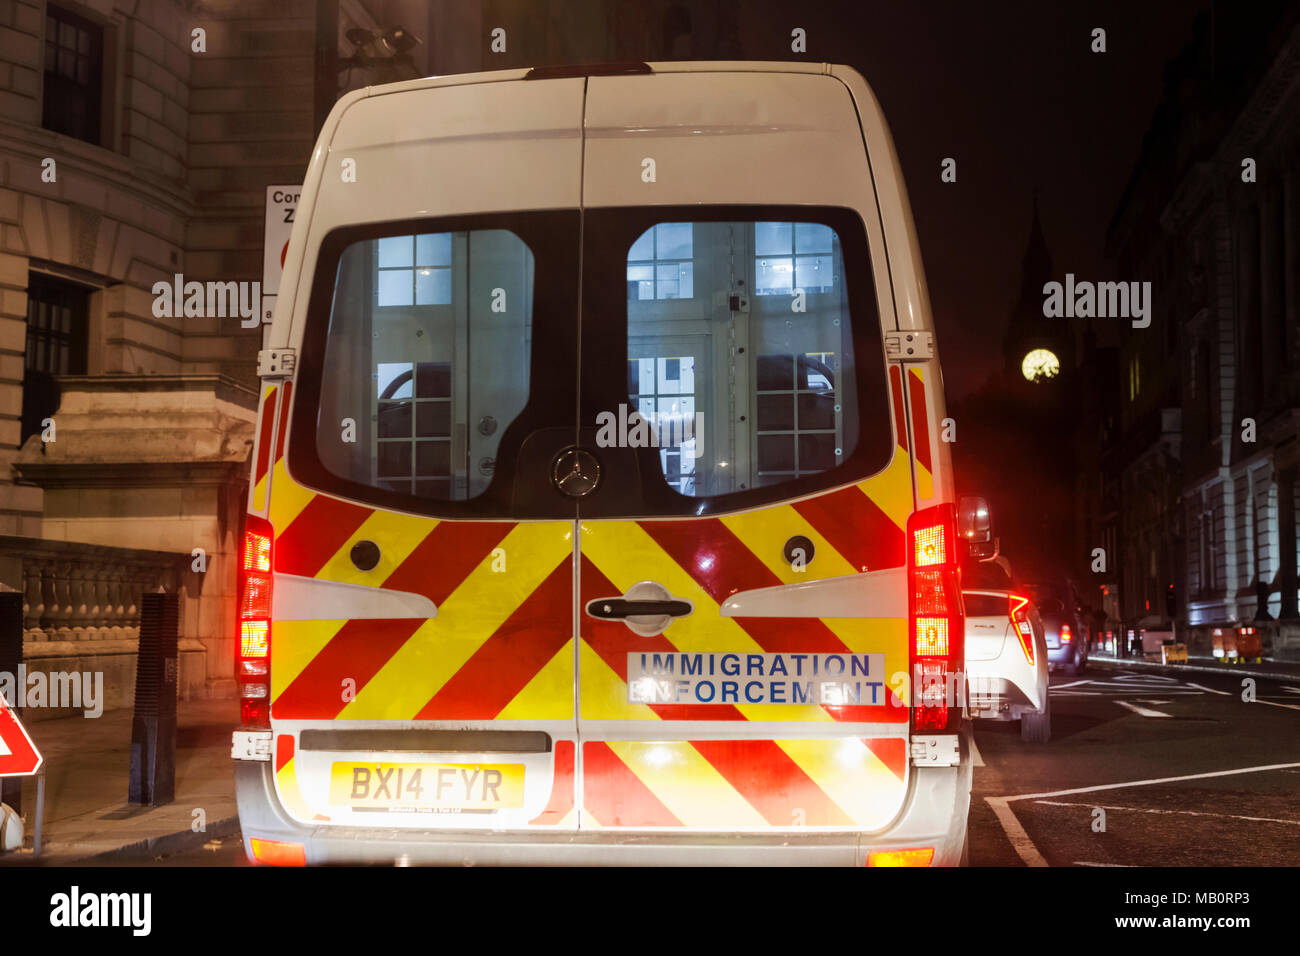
column 18, row 755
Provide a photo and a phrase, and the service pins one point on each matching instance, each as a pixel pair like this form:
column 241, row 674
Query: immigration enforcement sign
column 835, row 679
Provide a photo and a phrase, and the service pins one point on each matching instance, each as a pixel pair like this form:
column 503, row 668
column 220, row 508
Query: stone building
column 1211, row 403
column 137, row 141
column 133, row 149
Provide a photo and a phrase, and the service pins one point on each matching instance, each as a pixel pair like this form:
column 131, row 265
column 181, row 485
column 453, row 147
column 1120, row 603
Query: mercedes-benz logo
column 575, row 472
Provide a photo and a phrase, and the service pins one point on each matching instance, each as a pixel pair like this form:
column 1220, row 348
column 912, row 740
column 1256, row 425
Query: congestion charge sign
column 677, row 678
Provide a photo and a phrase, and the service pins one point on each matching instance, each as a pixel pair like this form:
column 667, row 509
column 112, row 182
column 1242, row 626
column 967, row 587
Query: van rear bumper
column 934, row 814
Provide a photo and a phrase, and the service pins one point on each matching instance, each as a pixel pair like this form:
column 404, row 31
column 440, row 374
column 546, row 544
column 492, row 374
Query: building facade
column 136, row 141
column 1207, row 453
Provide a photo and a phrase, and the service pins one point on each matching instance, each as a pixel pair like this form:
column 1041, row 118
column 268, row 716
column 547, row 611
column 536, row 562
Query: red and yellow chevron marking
column 265, row 429
column 921, row 438
column 499, row 647
column 743, row 784
column 286, row 781
column 560, row 809
column 631, row 554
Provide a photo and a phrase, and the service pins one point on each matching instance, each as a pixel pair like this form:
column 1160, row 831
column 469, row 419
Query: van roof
column 671, row 66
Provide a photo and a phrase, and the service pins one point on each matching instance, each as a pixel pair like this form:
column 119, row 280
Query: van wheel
column 1037, row 728
column 1072, row 669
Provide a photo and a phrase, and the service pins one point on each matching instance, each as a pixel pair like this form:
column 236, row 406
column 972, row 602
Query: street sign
column 18, row 755
column 281, row 204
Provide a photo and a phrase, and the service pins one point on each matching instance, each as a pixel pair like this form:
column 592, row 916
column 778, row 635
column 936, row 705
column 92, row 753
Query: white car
column 1006, row 661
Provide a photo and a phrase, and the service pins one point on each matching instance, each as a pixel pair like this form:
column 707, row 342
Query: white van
column 598, row 509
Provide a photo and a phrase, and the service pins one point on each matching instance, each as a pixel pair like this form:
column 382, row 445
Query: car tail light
column 276, row 853
column 934, row 614
column 921, row 856
column 1066, row 634
column 254, row 662
column 1020, row 621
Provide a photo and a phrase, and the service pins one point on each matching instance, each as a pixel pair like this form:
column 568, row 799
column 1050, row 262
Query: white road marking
column 1188, row 813
column 1153, row 703
column 977, row 758
column 1210, row 690
column 1129, row 684
column 1155, row 781
column 1024, row 846
column 1020, row 841
column 1291, row 690
column 1142, row 711
column 1085, row 863
column 1274, row 703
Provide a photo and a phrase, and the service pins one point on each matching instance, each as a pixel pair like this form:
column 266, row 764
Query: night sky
column 1014, row 94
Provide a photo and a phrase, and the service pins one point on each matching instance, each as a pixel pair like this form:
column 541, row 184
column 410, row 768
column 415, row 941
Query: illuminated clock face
column 1040, row 364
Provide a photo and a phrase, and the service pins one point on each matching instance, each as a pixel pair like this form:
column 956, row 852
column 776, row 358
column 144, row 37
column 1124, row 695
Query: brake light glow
column 254, row 665
column 1020, row 621
column 1066, row 634
column 935, row 616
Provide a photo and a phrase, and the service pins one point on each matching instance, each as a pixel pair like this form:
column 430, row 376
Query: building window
column 1209, row 552
column 74, row 72
column 792, row 256
column 661, row 264
column 56, row 345
column 414, row 270
column 56, row 326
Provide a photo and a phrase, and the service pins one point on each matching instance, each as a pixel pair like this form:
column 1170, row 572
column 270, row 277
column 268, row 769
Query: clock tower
column 1036, row 348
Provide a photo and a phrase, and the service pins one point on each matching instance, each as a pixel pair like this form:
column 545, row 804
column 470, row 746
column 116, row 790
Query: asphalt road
column 1037, row 804
column 1121, row 738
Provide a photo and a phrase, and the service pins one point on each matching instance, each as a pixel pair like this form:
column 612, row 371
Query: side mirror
column 975, row 526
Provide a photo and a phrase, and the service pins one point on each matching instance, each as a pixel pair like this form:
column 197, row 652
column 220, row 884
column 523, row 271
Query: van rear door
column 421, row 648
column 742, row 606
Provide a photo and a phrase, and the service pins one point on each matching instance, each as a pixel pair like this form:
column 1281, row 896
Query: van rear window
column 740, row 352
column 426, row 361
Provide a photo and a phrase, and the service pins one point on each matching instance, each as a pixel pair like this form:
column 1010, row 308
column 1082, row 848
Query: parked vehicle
column 1066, row 626
column 1006, row 661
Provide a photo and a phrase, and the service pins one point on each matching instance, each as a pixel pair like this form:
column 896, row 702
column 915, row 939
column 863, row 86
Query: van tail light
column 254, row 661
column 278, row 853
column 921, row 856
column 1020, row 621
column 1066, row 634
column 934, row 617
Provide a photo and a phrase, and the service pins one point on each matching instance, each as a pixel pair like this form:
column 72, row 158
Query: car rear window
column 986, row 605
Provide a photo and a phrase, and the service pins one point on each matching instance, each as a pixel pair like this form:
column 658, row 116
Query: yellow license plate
column 433, row 786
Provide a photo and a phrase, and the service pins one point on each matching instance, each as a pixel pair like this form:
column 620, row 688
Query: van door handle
column 617, row 608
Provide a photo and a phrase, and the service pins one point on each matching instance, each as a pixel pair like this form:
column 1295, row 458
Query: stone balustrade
column 75, row 592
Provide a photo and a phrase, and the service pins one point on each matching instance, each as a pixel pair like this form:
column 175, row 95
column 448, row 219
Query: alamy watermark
column 75, row 689
column 1101, row 300
column 629, row 428
column 210, row 300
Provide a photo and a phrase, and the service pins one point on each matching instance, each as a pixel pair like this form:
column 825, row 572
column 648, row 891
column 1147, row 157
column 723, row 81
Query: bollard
column 153, row 729
column 11, row 655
